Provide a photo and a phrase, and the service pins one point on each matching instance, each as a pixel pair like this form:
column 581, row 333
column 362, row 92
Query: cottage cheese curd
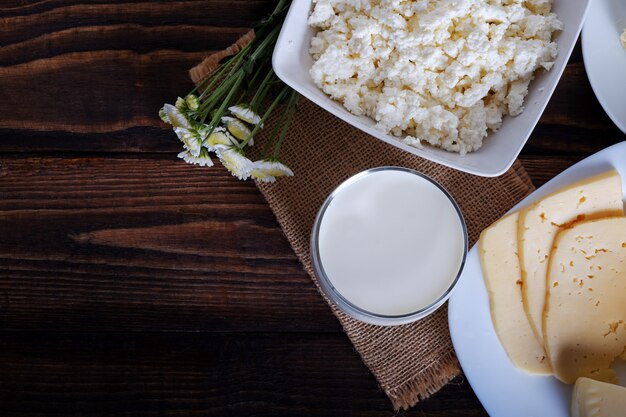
column 443, row 72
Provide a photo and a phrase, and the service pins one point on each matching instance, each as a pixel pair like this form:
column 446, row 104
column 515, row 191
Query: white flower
column 245, row 113
column 175, row 117
column 190, row 139
column 235, row 162
column 238, row 128
column 219, row 138
column 164, row 115
column 267, row 171
column 204, row 160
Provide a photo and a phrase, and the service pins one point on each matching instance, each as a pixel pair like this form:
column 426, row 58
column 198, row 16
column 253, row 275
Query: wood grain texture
column 132, row 284
column 542, row 169
column 107, row 67
column 145, row 244
column 182, row 374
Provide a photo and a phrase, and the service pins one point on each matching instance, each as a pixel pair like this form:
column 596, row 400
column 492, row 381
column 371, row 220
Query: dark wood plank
column 92, row 92
column 49, row 17
column 182, row 374
column 541, row 168
column 132, row 140
column 124, row 36
column 573, row 123
column 94, row 68
column 143, row 244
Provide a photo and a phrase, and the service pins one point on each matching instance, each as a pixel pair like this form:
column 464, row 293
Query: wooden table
column 134, row 284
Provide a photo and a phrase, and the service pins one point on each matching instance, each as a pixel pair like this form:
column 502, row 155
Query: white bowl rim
column 492, row 162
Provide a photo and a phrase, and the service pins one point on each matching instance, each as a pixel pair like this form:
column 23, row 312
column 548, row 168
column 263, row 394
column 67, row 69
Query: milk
column 391, row 242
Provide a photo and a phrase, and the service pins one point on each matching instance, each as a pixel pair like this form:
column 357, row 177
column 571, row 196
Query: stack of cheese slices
column 556, row 276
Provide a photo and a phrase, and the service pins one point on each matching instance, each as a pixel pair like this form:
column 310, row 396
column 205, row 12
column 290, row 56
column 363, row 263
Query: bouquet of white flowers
column 225, row 111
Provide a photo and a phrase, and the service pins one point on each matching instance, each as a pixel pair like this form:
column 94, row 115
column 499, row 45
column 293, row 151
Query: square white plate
column 292, row 62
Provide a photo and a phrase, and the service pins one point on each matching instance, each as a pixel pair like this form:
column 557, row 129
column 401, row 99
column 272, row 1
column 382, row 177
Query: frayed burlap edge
column 201, row 71
column 415, row 390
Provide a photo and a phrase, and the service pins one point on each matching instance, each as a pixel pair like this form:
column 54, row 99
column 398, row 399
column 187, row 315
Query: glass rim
column 342, row 302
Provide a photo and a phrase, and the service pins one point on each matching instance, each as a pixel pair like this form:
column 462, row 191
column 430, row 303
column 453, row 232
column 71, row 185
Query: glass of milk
column 388, row 245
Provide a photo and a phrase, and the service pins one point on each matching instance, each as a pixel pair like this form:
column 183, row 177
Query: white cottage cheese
column 443, row 72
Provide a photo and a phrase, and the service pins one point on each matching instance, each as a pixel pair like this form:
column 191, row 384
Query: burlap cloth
column 410, row 362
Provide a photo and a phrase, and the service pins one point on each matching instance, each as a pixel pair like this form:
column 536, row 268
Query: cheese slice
column 501, row 271
column 596, row 197
column 598, row 399
column 585, row 317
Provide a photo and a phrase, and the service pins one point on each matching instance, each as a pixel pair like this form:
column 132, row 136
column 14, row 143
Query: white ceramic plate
column 504, row 390
column 292, row 61
column 605, row 58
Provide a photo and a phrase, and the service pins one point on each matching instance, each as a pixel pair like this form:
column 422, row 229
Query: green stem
column 212, row 78
column 270, row 142
column 215, row 77
column 227, row 86
column 268, row 40
column 291, row 112
column 275, row 18
column 265, row 116
column 232, row 66
column 221, row 110
column 258, row 96
column 257, row 74
column 279, row 7
column 234, row 62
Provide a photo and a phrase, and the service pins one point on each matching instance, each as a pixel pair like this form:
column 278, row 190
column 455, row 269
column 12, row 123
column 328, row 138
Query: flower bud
column 181, row 104
column 192, row 102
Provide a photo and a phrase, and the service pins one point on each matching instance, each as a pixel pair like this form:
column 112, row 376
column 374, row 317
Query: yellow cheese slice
column 598, row 399
column 501, row 271
column 596, row 197
column 585, row 317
